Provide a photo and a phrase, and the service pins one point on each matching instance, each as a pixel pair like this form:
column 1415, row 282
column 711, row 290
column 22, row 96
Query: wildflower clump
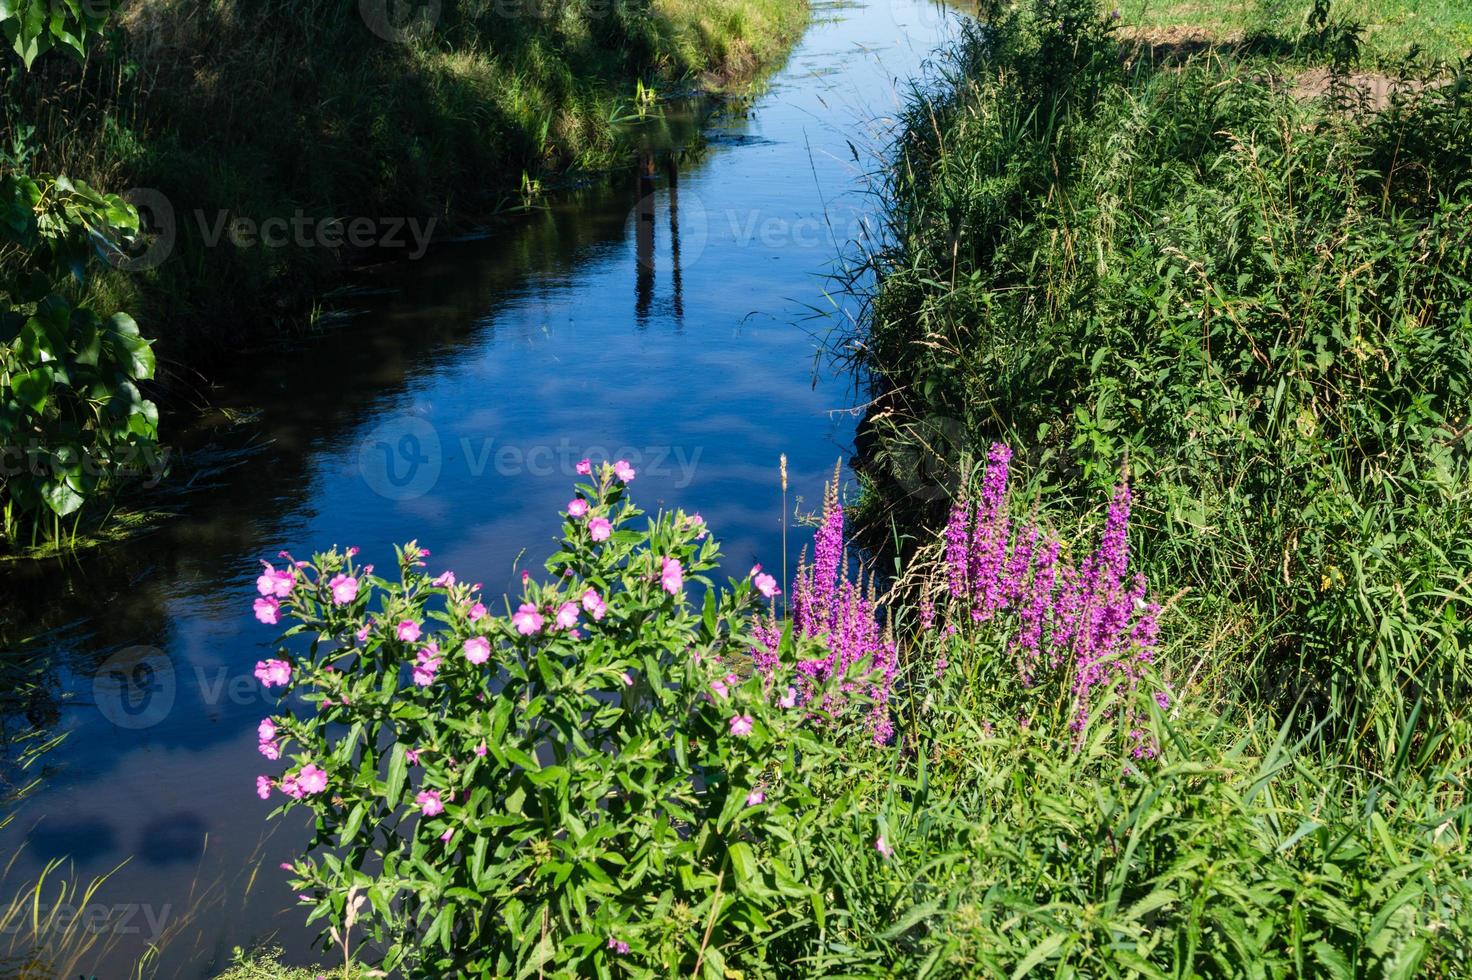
column 854, row 655
column 1089, row 625
column 509, row 791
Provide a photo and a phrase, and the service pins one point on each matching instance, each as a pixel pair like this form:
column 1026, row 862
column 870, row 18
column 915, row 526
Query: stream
column 672, row 316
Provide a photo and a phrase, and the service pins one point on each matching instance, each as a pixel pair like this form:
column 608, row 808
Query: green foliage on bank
column 1260, row 305
column 74, row 423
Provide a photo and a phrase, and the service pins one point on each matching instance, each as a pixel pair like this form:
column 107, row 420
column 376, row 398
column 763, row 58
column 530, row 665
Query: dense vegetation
column 1228, row 739
column 617, row 778
column 1259, row 304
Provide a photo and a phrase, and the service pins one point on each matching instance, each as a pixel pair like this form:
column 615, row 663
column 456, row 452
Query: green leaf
column 34, row 388
column 398, row 775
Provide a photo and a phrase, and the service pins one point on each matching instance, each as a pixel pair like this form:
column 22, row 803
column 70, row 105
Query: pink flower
column 882, row 847
column 344, row 589
column 412, row 755
column 270, row 749
column 268, row 610
column 719, row 687
column 273, row 673
column 363, row 633
column 755, row 797
column 594, row 605
column 263, row 787
column 477, row 611
column 447, row 835
column 623, row 471
column 628, row 679
column 672, row 576
column 789, row 700
column 526, row 619
column 767, row 586
column 567, row 616
column 742, row 725
column 618, row 946
column 696, row 521
column 480, row 750
column 429, row 803
column 407, row 631
column 585, row 467
column 445, row 580
column 577, row 508
column 274, row 583
column 477, row 650
column 599, row 529
column 311, row 779
column 266, row 730
column 427, row 665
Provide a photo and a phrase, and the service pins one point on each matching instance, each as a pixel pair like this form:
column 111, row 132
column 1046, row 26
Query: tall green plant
column 73, row 420
column 596, row 783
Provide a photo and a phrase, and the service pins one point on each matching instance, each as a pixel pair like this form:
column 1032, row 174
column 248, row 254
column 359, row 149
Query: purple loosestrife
column 957, row 537
column 1090, row 622
column 989, row 536
column 826, row 605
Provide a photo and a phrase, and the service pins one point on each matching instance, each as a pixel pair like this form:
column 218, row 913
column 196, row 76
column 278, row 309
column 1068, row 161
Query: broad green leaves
column 73, row 420
column 576, row 791
column 33, row 27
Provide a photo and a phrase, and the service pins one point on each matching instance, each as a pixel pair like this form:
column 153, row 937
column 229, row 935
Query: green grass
column 1257, row 304
column 265, row 964
column 1439, row 29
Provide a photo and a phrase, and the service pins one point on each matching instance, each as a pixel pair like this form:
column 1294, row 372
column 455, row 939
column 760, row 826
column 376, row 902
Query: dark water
column 667, row 318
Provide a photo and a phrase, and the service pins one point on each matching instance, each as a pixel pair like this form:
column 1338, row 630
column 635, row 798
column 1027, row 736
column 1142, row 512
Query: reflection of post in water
column 672, row 175
column 644, row 240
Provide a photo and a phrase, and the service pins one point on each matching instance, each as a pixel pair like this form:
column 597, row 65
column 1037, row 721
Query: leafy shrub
column 595, row 781
column 73, row 422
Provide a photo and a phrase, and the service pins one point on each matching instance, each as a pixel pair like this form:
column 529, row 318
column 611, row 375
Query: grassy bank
column 1390, row 29
column 314, row 114
column 1258, row 304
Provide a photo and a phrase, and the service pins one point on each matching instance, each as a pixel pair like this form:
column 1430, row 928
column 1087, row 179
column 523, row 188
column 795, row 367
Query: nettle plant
column 596, row 782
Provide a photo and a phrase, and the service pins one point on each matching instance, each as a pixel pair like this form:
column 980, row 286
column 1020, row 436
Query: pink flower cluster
column 828, row 606
column 1091, row 618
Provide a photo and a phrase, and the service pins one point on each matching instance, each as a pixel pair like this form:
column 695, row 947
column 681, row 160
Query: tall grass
column 1260, row 305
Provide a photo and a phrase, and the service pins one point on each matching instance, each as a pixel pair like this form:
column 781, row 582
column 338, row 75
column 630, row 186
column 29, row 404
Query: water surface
column 666, row 317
